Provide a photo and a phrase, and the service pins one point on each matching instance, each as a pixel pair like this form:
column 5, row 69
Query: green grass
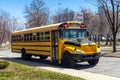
column 17, row 71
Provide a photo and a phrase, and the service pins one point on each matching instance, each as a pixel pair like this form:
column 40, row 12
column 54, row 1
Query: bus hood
column 74, row 43
column 84, row 46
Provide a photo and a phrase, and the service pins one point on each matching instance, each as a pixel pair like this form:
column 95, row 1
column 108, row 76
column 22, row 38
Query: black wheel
column 24, row 55
column 67, row 61
column 93, row 62
column 43, row 57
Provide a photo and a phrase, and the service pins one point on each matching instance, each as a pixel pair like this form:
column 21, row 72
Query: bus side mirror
column 87, row 33
column 61, row 31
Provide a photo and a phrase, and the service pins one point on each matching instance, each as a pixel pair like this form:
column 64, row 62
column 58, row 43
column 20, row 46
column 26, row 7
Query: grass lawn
column 17, row 71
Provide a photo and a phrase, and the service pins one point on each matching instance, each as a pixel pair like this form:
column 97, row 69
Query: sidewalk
column 80, row 73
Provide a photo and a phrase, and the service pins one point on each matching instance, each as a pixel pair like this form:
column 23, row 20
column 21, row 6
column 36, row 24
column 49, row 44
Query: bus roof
column 51, row 27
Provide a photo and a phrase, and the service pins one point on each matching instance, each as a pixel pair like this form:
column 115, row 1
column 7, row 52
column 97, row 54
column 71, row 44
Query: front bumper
column 87, row 57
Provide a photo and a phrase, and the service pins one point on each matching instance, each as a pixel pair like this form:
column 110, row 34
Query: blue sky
column 16, row 7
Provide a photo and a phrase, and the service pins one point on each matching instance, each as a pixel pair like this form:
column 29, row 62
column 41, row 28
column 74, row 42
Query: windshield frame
column 68, row 33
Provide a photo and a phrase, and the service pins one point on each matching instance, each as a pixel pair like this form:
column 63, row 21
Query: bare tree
column 96, row 25
column 104, row 28
column 3, row 25
column 63, row 15
column 92, row 21
column 13, row 24
column 112, row 12
column 87, row 14
column 37, row 13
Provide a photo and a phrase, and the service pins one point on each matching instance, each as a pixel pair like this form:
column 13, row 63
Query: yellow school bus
column 65, row 43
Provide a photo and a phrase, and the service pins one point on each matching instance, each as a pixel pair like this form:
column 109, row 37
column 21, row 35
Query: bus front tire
column 25, row 56
column 93, row 62
column 67, row 61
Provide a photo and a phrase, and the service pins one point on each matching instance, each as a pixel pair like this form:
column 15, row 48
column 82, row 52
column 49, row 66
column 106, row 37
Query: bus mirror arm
column 87, row 33
column 61, row 32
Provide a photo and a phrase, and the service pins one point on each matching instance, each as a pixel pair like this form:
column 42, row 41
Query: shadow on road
column 44, row 63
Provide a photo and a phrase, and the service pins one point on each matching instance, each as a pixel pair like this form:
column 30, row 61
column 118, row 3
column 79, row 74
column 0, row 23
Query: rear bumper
column 81, row 57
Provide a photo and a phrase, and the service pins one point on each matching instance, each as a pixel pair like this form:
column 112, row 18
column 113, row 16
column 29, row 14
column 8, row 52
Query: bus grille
column 89, row 48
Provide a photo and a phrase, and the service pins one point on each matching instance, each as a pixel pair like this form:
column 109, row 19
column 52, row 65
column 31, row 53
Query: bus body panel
column 47, row 41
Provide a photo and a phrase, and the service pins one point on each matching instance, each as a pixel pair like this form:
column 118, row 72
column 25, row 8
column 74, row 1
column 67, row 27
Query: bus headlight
column 77, row 52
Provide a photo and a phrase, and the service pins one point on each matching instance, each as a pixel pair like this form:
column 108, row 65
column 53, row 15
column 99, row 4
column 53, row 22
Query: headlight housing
column 77, row 52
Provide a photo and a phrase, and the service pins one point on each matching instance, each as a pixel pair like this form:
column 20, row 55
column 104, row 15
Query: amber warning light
column 83, row 25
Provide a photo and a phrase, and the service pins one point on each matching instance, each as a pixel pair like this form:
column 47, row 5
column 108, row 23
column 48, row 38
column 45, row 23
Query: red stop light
column 83, row 25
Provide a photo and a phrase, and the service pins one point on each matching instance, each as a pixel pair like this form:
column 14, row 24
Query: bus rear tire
column 43, row 57
column 25, row 56
column 67, row 61
column 93, row 62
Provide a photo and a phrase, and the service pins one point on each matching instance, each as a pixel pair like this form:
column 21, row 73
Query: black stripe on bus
column 39, row 50
column 29, row 41
column 34, row 45
column 34, row 50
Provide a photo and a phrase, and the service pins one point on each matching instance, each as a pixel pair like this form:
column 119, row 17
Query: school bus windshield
column 74, row 33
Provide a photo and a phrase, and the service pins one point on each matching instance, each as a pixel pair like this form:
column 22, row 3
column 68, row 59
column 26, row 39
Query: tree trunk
column 111, row 41
column 107, row 40
column 95, row 38
column 2, row 35
column 114, row 43
column 90, row 38
column 0, row 45
column 99, row 39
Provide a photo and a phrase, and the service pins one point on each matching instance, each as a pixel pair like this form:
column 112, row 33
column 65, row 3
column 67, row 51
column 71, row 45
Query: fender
column 71, row 50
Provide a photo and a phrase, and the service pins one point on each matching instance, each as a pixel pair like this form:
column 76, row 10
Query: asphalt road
column 107, row 65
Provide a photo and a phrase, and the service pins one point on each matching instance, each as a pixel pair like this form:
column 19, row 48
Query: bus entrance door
column 55, row 45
